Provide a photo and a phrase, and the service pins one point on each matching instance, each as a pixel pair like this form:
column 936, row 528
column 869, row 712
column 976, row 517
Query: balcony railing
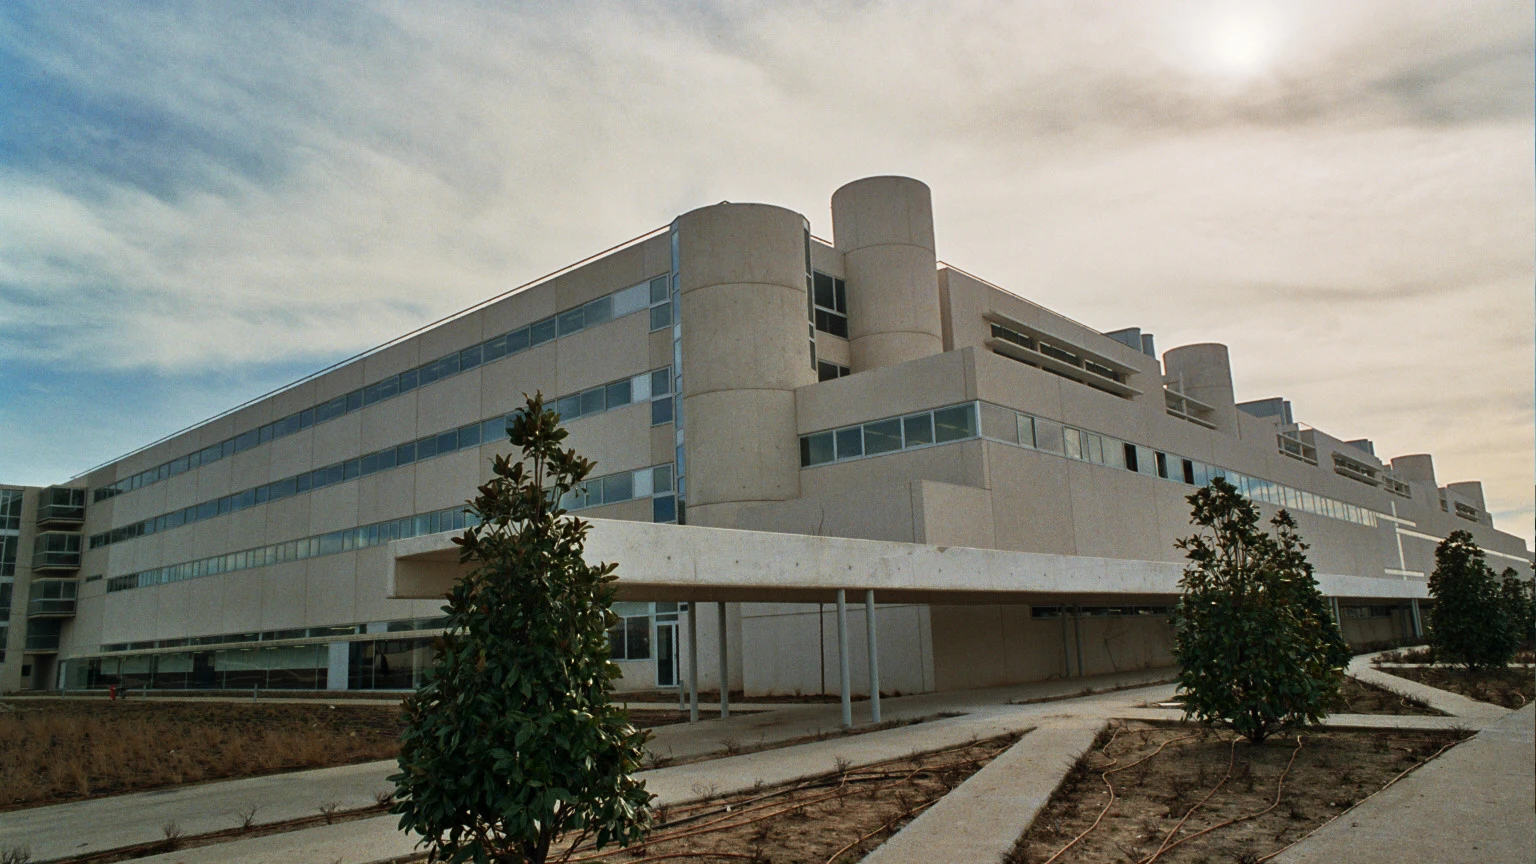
column 42, row 643
column 56, row 559
column 60, row 514
column 51, row 607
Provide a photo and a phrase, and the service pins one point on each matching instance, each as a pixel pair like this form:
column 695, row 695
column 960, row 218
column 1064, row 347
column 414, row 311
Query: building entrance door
column 666, row 654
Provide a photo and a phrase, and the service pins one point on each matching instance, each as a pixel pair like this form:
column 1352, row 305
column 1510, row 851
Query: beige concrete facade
column 267, row 528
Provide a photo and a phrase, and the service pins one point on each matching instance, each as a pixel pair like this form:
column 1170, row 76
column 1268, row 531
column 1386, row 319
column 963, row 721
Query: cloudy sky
column 202, row 201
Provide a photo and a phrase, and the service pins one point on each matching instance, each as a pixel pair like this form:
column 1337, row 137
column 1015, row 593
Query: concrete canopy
column 695, row 564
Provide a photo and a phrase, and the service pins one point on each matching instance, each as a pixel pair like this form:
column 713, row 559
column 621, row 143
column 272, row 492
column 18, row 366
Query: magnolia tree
column 1475, row 621
column 1258, row 650
column 513, row 743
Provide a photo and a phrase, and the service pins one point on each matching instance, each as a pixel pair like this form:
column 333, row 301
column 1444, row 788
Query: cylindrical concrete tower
column 742, row 281
column 884, row 228
column 1205, row 373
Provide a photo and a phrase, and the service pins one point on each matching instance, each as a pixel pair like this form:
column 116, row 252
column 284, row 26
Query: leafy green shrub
column 1470, row 622
column 1518, row 597
column 1258, row 650
column 513, row 741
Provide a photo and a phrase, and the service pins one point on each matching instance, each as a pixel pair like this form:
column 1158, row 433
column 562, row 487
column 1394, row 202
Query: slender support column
column 874, row 655
column 693, row 662
column 1077, row 636
column 1418, row 622
column 725, row 667
column 842, row 656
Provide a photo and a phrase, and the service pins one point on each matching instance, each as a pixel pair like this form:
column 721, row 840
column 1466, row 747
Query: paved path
column 126, row 820
column 1453, row 704
column 981, row 819
column 368, row 841
column 1474, row 805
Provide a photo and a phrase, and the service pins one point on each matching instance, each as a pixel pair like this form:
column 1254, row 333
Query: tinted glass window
column 850, row 442
column 617, row 393
column 917, row 429
column 541, row 332
column 816, row 449
column 882, row 437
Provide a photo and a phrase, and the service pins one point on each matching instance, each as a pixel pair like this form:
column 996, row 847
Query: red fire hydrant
column 112, row 693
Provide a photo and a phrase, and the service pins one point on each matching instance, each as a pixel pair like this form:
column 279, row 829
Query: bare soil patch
column 54, row 750
column 1186, row 794
column 836, row 818
column 1358, row 697
column 1511, row 688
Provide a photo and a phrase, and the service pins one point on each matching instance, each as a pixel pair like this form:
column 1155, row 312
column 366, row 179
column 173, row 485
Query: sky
column 202, row 201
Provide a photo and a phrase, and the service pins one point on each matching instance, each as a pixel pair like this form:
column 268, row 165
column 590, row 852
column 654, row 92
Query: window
column 630, row 639
column 831, row 371
column 955, row 423
column 830, row 302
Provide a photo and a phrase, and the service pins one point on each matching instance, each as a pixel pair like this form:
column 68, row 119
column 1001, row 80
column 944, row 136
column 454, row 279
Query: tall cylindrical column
column 1204, row 372
column 742, row 279
column 884, row 228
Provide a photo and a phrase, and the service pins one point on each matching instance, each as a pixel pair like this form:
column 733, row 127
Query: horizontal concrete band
column 691, row 563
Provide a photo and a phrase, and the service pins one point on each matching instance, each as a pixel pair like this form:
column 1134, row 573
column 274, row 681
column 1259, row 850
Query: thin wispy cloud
column 212, row 196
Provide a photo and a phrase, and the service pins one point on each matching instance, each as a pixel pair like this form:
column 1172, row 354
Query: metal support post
column 693, row 662
column 842, row 656
column 874, row 655
column 1418, row 622
column 725, row 667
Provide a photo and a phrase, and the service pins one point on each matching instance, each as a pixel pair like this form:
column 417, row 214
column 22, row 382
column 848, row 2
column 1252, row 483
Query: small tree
column 513, row 741
column 1518, row 596
column 1469, row 623
column 1257, row 647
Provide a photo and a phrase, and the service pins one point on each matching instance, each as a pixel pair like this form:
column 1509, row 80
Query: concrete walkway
column 1454, row 704
column 369, row 841
column 982, row 817
column 126, row 820
column 1474, row 805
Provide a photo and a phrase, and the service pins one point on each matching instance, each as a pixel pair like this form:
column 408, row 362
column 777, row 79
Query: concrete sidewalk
column 369, row 841
column 126, row 820
column 983, row 817
column 1474, row 805
column 1454, row 704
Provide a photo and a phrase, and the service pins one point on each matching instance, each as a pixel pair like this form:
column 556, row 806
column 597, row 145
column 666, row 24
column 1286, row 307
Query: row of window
column 1039, row 433
column 398, row 626
column 925, row 428
column 654, row 483
column 349, row 539
column 959, row 423
column 647, row 385
column 606, row 308
column 346, row 540
column 1099, row 611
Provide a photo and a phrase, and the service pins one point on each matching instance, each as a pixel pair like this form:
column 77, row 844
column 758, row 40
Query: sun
column 1242, row 46
column 1236, row 43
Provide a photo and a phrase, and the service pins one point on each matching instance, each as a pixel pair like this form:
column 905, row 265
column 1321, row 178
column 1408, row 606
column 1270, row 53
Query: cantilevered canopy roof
column 689, row 563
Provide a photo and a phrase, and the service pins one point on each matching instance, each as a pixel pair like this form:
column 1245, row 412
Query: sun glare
column 1237, row 43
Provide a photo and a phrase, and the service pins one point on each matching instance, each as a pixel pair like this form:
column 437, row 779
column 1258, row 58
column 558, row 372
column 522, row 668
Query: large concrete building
column 732, row 371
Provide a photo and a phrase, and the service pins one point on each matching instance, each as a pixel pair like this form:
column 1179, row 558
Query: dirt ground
column 1171, row 783
column 54, row 750
column 1511, row 688
column 1357, row 697
column 833, row 819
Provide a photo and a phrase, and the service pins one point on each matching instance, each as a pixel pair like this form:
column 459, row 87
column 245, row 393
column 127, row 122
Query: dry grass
column 65, row 749
column 1186, row 794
